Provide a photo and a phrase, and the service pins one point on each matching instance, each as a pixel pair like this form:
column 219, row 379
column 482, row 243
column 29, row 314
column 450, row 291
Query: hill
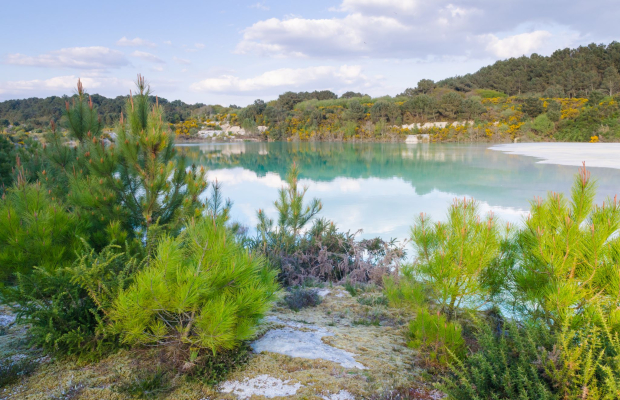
column 35, row 113
column 566, row 73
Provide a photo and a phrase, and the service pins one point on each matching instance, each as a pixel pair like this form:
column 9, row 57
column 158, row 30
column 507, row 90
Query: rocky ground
column 345, row 348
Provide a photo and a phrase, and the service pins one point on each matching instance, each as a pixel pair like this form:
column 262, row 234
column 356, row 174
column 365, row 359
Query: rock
column 304, row 344
column 263, row 385
column 6, row 320
column 323, row 292
column 341, row 395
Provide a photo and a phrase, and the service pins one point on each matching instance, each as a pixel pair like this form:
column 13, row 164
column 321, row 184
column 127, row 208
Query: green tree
column 543, row 124
column 293, row 216
column 458, row 259
column 532, row 106
column 554, row 110
column 472, row 108
column 35, row 231
column 7, row 162
column 450, row 104
column 569, row 256
column 138, row 181
column 611, row 80
column 425, row 86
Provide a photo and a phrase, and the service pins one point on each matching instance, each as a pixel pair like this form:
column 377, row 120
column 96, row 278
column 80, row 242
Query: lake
column 381, row 187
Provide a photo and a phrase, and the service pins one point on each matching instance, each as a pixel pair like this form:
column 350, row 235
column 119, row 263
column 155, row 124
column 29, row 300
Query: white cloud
column 322, row 76
column 260, row 6
column 517, row 45
column 148, row 57
column 199, row 45
column 181, row 60
column 62, row 85
column 416, row 29
column 95, row 57
column 168, row 42
column 136, row 42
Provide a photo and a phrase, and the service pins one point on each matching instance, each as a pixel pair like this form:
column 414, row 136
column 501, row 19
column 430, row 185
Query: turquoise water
column 381, row 187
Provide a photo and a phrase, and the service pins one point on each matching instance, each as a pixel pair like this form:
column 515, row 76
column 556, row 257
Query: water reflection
column 380, row 188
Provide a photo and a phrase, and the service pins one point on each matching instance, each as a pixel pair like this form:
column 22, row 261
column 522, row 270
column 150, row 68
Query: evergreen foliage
column 441, row 339
column 138, row 181
column 7, row 163
column 456, row 259
column 568, row 254
column 35, row 231
column 201, row 290
column 508, row 366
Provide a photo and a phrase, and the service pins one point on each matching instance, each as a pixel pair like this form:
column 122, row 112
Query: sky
column 233, row 52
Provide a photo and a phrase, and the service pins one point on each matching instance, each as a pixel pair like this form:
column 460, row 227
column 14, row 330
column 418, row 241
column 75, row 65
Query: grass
column 373, row 301
column 12, row 371
column 147, row 384
column 299, row 298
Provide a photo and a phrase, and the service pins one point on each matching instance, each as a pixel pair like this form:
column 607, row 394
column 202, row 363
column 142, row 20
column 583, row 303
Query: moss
column 382, row 349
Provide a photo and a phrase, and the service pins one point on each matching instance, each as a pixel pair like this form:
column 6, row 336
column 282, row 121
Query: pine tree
column 202, row 290
column 64, row 154
column 611, row 80
column 35, row 231
column 138, row 180
column 7, row 163
column 569, row 253
column 458, row 259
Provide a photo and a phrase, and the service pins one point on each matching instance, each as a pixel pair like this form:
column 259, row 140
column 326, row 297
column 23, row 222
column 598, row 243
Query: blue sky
column 233, row 52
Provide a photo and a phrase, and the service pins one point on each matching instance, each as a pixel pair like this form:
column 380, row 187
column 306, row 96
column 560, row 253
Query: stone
column 262, row 385
column 341, row 395
column 304, row 344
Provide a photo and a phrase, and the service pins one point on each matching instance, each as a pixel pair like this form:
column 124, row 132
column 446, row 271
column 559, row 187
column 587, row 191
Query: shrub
column 543, row 124
column 147, row 384
column 456, row 259
column 35, row 230
column 201, row 290
column 507, row 366
column 532, row 106
column 7, row 162
column 404, row 291
column 12, row 371
column 586, row 361
column 299, row 298
column 435, row 335
column 320, row 252
column 63, row 319
column 568, row 253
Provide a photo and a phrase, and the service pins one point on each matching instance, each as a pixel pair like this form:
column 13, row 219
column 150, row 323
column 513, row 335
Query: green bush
column 586, row 362
column 507, row 366
column 299, row 298
column 404, row 291
column 543, row 124
column 442, row 340
column 63, row 319
column 12, row 371
column 568, row 257
column 457, row 259
column 35, row 231
column 201, row 290
column 7, row 162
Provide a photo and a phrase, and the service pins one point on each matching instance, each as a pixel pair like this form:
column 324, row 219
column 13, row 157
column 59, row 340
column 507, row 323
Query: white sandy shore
column 603, row 155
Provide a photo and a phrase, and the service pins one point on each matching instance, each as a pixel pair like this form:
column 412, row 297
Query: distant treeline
column 566, row 73
column 36, row 113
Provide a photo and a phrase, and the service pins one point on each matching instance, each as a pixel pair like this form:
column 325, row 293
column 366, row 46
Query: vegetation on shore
column 571, row 95
column 115, row 245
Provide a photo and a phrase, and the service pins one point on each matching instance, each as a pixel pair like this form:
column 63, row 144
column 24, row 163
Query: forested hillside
column 36, row 113
column 566, row 73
